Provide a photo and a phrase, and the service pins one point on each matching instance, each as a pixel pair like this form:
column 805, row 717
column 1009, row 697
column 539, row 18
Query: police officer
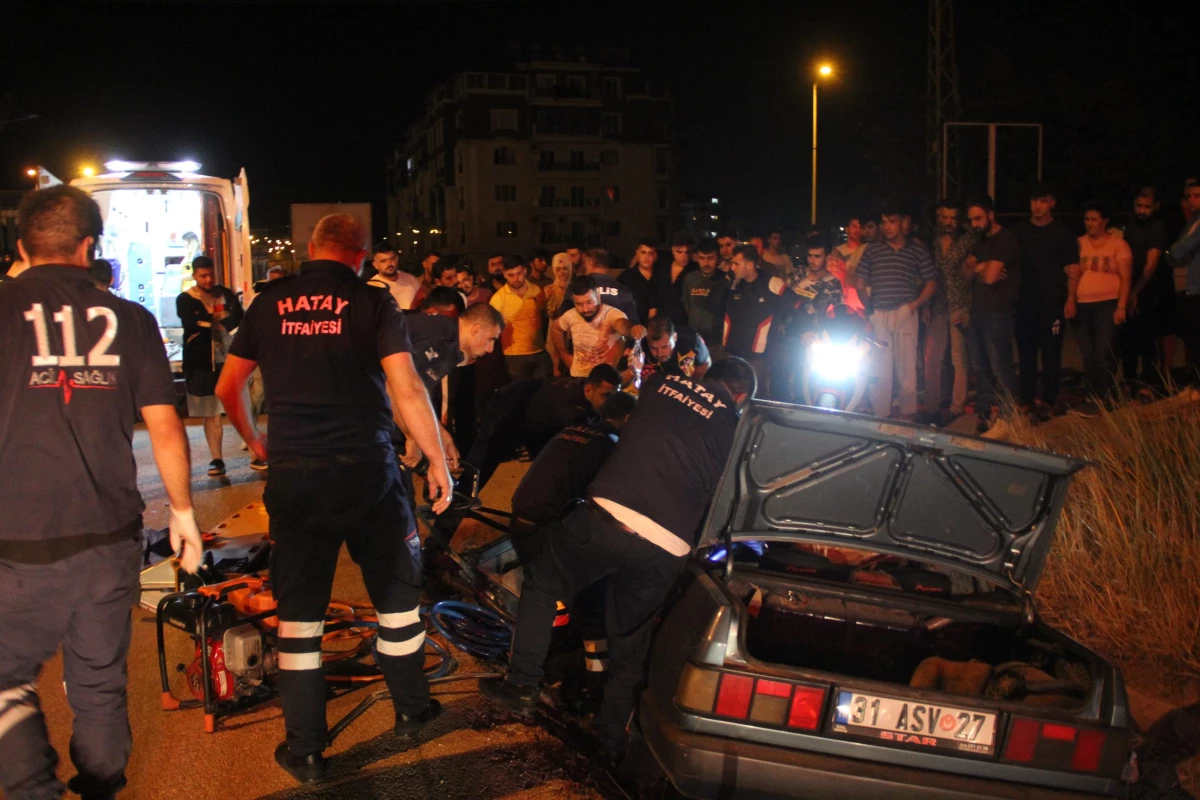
column 558, row 476
column 637, row 529
column 76, row 363
column 327, row 343
column 673, row 351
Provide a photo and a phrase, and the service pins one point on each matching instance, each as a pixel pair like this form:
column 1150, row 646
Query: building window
column 610, row 87
column 578, row 197
column 475, row 80
column 612, row 228
column 504, row 119
column 577, row 159
column 546, row 200
column 662, row 157
column 518, row 83
column 504, row 156
column 506, row 193
column 462, row 230
column 576, row 123
column 506, row 230
column 495, row 81
column 662, row 197
column 577, row 84
column 613, row 193
column 546, row 159
column 549, row 233
column 545, row 81
column 610, row 157
column 610, row 124
column 576, row 231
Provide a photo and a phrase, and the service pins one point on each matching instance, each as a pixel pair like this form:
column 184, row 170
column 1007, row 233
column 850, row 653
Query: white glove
column 185, row 540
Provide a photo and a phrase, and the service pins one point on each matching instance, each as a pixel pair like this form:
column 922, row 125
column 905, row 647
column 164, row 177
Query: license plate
column 914, row 723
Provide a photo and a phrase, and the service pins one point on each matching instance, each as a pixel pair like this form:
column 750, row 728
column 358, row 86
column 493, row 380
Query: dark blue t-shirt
column 671, row 453
column 319, row 338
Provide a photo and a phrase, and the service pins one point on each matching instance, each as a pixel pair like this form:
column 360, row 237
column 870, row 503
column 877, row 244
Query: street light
column 823, row 71
column 88, row 172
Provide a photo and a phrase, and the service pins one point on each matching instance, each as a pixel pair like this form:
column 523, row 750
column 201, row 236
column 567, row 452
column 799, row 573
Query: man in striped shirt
column 897, row 276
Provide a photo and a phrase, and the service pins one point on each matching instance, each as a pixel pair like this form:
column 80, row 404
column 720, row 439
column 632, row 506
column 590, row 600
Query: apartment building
column 561, row 148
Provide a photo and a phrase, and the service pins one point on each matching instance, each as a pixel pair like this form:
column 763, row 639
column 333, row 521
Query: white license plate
column 915, row 723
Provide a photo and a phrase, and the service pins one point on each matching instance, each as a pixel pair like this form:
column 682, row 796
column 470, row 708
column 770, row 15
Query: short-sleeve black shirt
column 76, row 363
column 690, row 352
column 999, row 297
column 1142, row 237
column 671, row 453
column 1045, row 251
column 434, row 347
column 563, row 470
column 612, row 292
column 319, row 338
column 645, row 290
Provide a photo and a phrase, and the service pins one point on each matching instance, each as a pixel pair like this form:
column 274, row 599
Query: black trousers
column 1040, row 330
column 587, row 546
column 313, row 509
column 81, row 602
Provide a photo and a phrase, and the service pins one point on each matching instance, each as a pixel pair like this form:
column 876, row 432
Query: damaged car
column 860, row 623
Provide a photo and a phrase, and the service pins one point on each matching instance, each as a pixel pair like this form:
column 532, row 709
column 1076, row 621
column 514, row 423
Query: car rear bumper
column 703, row 766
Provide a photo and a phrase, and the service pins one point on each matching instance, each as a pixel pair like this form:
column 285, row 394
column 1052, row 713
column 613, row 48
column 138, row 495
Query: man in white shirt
column 388, row 276
column 596, row 329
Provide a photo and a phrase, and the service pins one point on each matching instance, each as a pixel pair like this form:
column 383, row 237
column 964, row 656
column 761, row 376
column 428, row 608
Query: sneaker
column 517, row 699
column 258, row 466
column 216, row 468
column 409, row 725
column 309, row 769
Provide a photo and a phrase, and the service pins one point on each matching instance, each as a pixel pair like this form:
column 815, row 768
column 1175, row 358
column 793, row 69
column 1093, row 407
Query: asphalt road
column 471, row 751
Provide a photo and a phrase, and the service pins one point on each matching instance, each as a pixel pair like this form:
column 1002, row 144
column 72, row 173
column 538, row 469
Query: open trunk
column 966, row 652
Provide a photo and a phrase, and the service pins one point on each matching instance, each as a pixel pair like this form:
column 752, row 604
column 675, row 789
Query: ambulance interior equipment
column 158, row 218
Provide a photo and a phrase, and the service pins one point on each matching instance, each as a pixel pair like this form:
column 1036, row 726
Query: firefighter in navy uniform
column 327, row 344
column 557, row 478
column 673, row 351
column 639, row 525
column 439, row 344
column 76, row 365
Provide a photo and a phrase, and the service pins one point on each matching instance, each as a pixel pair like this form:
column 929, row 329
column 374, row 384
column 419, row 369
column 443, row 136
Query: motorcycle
column 835, row 367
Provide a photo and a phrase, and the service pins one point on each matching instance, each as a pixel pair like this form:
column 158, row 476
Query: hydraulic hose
column 473, row 629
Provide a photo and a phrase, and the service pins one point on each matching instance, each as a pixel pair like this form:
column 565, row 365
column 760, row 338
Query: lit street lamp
column 823, row 71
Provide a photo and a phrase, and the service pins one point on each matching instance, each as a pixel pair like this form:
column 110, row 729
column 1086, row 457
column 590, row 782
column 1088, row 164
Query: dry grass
column 1123, row 575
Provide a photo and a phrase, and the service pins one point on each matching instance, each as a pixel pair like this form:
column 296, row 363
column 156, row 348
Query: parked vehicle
column 860, row 623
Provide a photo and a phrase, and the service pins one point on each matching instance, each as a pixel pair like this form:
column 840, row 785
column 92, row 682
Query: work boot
column 409, row 725
column 309, row 769
column 88, row 790
column 517, row 699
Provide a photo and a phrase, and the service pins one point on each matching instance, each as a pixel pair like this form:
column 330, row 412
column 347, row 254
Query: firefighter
column 76, row 364
column 439, row 344
column 558, row 477
column 327, row 344
column 639, row 525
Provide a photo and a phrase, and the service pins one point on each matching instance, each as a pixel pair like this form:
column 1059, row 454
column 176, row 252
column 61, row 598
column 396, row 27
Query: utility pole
column 942, row 102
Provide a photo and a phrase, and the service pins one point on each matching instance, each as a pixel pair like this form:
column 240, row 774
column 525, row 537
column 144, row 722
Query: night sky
column 310, row 97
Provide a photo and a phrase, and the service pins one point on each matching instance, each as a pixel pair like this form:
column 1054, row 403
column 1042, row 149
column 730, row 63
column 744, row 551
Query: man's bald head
column 338, row 237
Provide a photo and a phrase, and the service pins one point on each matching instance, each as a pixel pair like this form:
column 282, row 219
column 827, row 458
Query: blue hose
column 473, row 629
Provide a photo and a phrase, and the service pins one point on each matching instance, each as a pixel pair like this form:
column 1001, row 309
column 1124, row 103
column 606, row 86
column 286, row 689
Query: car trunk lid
column 810, row 475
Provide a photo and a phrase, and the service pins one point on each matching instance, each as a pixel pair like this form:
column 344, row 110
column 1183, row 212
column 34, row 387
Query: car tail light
column 764, row 701
column 1055, row 745
column 697, row 689
column 733, row 698
column 807, row 703
column 1088, row 751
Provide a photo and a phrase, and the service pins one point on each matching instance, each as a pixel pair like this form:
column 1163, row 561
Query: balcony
column 558, row 166
column 567, row 202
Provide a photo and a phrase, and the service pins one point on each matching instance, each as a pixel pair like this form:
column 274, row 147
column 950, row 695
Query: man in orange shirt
column 523, row 306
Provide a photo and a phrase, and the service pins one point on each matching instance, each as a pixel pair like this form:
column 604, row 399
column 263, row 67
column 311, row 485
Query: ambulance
column 158, row 217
